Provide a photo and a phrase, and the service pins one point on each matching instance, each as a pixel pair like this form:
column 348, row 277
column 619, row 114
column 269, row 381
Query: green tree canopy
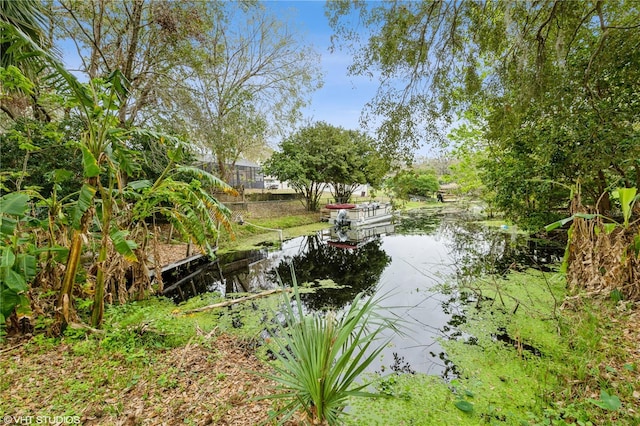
column 552, row 86
column 417, row 182
column 356, row 162
column 320, row 155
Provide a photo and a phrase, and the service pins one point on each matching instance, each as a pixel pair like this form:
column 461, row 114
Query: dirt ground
column 212, row 385
column 170, row 253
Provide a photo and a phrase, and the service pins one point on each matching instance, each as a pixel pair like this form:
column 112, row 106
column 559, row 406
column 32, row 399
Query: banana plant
column 182, row 194
column 98, row 104
column 97, row 111
column 188, row 204
column 17, row 266
column 627, row 198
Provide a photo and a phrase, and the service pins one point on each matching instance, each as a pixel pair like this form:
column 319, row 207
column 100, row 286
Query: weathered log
column 239, row 300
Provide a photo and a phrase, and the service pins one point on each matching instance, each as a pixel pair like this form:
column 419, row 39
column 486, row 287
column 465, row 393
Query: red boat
column 340, row 206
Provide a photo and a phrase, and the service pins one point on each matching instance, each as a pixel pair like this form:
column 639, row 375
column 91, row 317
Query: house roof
column 208, row 158
column 247, row 163
column 449, row 186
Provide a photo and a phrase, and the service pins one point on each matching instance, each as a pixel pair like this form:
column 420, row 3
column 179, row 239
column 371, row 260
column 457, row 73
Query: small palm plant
column 321, row 356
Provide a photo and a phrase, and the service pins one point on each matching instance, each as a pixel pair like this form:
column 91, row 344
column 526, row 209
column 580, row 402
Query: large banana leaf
column 26, row 265
column 123, row 246
column 627, row 198
column 562, row 222
column 89, row 163
column 8, row 300
column 7, row 257
column 85, row 199
column 61, row 76
column 15, row 204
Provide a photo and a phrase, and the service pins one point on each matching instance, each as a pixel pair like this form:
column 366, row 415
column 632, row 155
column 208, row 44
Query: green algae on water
column 507, row 361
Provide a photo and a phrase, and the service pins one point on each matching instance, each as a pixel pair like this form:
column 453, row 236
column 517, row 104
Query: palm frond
column 321, row 356
column 207, row 179
column 193, row 211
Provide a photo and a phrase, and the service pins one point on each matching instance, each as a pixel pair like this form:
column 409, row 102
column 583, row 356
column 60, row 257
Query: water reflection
column 356, row 269
column 230, row 273
column 478, row 249
column 418, row 223
column 420, row 264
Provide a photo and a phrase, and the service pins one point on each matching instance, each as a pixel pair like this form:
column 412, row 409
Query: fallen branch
column 586, row 294
column 239, row 300
column 80, row 326
column 12, row 347
column 184, row 354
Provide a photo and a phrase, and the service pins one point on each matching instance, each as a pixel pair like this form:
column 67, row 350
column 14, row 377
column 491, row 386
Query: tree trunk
column 97, row 37
column 604, row 202
column 64, row 308
column 64, row 300
column 97, row 310
column 132, row 48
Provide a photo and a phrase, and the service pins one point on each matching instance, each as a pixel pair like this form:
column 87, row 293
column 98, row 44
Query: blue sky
column 342, row 98
column 340, row 101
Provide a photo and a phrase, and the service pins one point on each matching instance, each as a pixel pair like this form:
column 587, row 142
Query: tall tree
column 145, row 40
column 229, row 75
column 355, row 162
column 320, row 155
column 303, row 160
column 247, row 83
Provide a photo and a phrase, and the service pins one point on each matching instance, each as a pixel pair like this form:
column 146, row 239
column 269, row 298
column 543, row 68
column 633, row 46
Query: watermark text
column 41, row 420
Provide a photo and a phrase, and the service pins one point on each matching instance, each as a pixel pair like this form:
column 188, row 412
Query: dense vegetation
column 90, row 163
column 545, row 92
column 540, row 101
column 413, row 182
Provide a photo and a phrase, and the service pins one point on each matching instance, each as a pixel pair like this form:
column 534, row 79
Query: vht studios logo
column 41, row 420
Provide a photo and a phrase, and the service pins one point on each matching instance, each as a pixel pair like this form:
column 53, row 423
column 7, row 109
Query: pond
column 416, row 262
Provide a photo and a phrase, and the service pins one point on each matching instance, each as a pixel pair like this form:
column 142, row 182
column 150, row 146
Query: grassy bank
column 259, row 232
column 528, row 356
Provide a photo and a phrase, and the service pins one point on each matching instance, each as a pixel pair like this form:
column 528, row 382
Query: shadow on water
column 355, row 270
column 419, row 263
column 229, row 273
